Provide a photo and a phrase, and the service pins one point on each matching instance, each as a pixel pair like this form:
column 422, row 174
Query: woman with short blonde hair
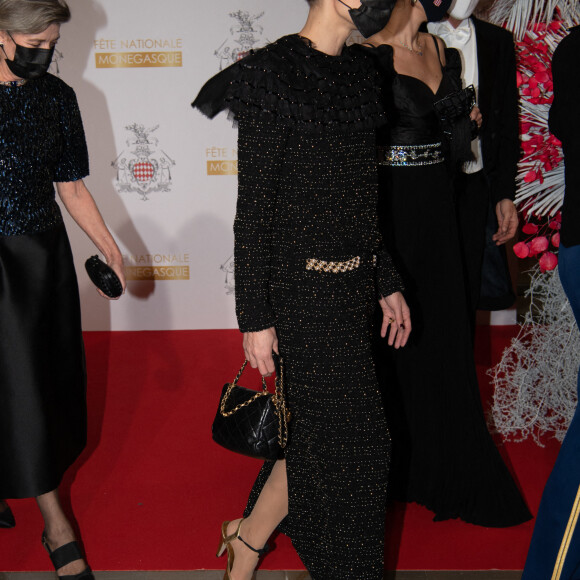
column 42, row 367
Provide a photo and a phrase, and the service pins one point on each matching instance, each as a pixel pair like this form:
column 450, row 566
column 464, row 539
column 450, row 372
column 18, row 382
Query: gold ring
column 391, row 320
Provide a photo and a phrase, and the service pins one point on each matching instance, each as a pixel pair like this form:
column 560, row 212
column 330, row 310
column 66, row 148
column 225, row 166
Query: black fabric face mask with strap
column 372, row 16
column 29, row 63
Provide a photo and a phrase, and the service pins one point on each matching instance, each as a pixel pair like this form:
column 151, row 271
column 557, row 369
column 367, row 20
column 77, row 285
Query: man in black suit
column 489, row 63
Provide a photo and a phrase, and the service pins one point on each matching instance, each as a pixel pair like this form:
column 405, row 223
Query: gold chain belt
column 335, row 267
column 410, row 155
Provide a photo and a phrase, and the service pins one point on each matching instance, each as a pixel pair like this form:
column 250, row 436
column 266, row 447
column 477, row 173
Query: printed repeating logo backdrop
column 164, row 176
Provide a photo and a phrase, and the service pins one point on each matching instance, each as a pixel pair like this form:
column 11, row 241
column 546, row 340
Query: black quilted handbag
column 253, row 423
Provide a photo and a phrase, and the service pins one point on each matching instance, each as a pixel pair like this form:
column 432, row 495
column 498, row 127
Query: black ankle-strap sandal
column 260, row 552
column 226, row 544
column 65, row 555
column 7, row 518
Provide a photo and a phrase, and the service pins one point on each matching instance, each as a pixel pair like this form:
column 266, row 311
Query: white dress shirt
column 463, row 39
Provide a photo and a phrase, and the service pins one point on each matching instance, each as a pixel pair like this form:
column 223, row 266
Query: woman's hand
column 116, row 264
column 258, row 347
column 476, row 116
column 396, row 319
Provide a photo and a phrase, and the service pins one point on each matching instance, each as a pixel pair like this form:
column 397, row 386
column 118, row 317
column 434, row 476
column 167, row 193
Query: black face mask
column 29, row 63
column 372, row 16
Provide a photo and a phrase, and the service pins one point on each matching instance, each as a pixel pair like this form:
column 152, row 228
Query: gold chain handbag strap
column 278, row 399
column 258, row 394
column 281, row 408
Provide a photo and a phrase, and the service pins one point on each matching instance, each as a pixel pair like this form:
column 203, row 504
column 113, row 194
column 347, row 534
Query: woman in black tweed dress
column 309, row 267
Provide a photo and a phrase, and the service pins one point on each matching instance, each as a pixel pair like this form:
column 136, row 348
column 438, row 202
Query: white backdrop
column 163, row 175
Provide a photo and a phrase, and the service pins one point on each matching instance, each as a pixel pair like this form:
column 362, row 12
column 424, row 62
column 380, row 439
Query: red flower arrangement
column 540, row 237
column 542, row 151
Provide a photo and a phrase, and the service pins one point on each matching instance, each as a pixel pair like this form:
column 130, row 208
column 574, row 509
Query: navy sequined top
column 42, row 141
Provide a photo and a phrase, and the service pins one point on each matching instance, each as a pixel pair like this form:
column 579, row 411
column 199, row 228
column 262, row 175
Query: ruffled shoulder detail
column 382, row 55
column 293, row 83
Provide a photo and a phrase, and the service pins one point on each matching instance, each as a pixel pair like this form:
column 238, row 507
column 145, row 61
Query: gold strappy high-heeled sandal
column 226, row 543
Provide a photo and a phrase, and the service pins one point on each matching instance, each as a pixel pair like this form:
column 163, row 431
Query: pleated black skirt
column 42, row 364
column 443, row 455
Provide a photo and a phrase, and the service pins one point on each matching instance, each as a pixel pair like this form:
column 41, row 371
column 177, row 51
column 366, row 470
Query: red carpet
column 152, row 488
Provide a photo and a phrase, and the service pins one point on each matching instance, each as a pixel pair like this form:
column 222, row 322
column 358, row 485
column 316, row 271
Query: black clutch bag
column 253, row 423
column 459, row 130
column 455, row 105
column 103, row 277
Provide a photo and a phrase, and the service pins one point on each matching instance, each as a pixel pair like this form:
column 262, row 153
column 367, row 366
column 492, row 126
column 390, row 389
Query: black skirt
column 42, row 365
column 443, row 455
column 338, row 454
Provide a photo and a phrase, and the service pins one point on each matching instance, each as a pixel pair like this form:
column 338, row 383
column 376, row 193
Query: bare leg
column 58, row 529
column 270, row 509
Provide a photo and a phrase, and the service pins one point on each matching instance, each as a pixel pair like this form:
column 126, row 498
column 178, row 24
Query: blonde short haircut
column 32, row 16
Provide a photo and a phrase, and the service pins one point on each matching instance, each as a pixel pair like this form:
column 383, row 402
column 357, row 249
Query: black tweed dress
column 309, row 261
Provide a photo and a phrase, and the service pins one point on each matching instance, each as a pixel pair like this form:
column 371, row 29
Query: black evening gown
column 42, row 368
column 443, row 455
column 308, row 260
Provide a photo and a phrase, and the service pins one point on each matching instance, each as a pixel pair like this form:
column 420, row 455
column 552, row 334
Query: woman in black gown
column 42, row 368
column 309, row 266
column 443, row 455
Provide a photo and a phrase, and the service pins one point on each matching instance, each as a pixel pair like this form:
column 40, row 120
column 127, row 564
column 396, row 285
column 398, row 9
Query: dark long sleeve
column 388, row 279
column 499, row 104
column 564, row 113
column 261, row 152
column 565, row 124
column 509, row 140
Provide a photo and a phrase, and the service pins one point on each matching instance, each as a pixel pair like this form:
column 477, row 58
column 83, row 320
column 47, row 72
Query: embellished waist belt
column 410, row 155
column 338, row 267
